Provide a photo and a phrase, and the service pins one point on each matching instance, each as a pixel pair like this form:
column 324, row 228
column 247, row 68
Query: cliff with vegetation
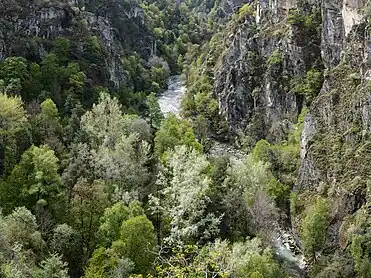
column 282, row 59
column 95, row 182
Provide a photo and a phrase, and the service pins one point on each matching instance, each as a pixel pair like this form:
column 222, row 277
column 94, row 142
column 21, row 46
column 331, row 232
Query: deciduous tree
column 184, row 197
column 13, row 123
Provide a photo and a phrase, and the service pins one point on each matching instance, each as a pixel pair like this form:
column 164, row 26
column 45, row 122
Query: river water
column 285, row 246
column 171, row 99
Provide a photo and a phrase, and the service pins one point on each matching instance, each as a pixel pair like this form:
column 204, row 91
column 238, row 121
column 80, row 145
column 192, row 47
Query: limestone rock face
column 26, row 28
column 343, row 105
column 253, row 82
column 265, row 54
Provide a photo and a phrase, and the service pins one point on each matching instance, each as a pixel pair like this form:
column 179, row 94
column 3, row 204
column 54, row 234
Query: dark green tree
column 155, row 115
column 315, row 225
column 137, row 242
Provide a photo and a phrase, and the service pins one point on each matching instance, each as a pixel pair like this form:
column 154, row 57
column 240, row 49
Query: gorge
column 195, row 138
column 286, row 247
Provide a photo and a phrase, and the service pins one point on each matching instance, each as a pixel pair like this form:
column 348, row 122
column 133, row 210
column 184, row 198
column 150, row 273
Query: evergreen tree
column 154, row 110
column 315, row 225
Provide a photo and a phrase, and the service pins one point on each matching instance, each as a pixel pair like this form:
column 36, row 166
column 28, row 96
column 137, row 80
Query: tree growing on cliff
column 314, row 227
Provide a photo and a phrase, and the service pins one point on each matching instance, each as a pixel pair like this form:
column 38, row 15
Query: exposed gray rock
column 332, row 32
column 309, row 131
column 253, row 91
column 332, row 112
column 255, row 97
column 26, row 27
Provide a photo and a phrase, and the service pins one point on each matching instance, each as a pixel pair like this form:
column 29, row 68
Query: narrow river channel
column 171, row 99
column 285, row 244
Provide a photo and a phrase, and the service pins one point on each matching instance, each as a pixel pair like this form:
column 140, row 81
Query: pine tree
column 155, row 115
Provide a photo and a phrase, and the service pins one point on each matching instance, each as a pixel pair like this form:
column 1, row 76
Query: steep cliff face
column 317, row 54
column 266, row 52
column 27, row 29
column 219, row 10
column 336, row 143
column 343, row 105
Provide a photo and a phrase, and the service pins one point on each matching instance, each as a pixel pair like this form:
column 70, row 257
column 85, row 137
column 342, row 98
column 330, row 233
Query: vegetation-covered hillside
column 95, row 182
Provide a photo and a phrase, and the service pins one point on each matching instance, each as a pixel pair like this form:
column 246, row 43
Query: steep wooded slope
column 278, row 58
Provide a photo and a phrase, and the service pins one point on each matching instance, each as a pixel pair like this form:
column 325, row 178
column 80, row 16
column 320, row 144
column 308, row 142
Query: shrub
column 314, row 226
column 245, row 10
column 275, row 58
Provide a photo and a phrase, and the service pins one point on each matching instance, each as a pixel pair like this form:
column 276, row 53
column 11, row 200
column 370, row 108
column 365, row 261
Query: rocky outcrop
column 28, row 27
column 264, row 53
column 219, row 10
column 259, row 94
column 343, row 106
column 336, row 139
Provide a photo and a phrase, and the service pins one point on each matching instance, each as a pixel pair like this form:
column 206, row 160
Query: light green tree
column 13, row 123
column 79, row 160
column 104, row 123
column 175, row 132
column 127, row 239
column 19, row 265
column 117, row 155
column 255, row 182
column 221, row 259
column 123, row 164
column 35, row 179
column 20, row 244
column 251, row 259
column 47, row 128
column 52, row 267
column 106, row 263
column 111, row 221
column 20, row 227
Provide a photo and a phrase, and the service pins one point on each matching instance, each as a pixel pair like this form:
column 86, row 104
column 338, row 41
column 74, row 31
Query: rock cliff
column 267, row 52
column 336, row 141
column 27, row 29
column 287, row 55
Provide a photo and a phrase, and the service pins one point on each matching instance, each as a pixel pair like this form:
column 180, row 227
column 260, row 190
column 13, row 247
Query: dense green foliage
column 96, row 182
column 122, row 193
column 315, row 226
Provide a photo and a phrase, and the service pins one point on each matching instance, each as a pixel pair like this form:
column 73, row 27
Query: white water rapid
column 171, row 99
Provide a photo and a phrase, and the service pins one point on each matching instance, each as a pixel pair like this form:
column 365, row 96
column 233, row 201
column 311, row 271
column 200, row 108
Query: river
column 285, row 246
column 171, row 99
